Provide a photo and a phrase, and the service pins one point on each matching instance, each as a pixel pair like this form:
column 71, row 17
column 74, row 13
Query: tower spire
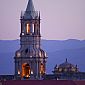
column 30, row 12
column 30, row 6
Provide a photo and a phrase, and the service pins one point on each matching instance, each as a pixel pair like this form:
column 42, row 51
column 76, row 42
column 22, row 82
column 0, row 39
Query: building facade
column 30, row 59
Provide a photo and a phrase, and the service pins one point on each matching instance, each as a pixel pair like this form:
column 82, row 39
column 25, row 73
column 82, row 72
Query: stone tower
column 30, row 59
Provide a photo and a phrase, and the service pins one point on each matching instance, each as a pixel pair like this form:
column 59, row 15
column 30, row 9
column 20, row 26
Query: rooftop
column 42, row 82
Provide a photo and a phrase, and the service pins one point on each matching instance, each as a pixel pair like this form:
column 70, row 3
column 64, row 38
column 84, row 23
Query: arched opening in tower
column 26, row 71
column 33, row 27
column 28, row 28
column 42, row 69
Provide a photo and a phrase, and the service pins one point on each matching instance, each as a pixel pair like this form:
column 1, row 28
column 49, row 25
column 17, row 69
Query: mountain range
column 57, row 51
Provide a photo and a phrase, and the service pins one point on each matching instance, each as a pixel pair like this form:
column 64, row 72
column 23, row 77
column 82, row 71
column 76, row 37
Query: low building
column 66, row 71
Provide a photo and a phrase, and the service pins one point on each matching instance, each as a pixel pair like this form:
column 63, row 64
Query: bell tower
column 30, row 59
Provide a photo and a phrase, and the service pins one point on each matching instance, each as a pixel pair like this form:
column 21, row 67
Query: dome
column 66, row 64
column 65, row 67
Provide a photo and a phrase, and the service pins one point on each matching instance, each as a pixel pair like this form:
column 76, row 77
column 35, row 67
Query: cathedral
column 30, row 59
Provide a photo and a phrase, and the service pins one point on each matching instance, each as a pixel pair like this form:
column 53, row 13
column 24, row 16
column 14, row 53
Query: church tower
column 30, row 59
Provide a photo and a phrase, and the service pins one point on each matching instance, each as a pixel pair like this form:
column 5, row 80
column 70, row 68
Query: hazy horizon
column 45, row 39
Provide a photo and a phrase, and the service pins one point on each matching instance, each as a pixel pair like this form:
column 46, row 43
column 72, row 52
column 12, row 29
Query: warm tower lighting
column 18, row 72
column 31, row 72
column 26, row 71
column 28, row 28
column 42, row 69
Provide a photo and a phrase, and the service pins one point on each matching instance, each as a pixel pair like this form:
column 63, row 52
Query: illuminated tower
column 30, row 59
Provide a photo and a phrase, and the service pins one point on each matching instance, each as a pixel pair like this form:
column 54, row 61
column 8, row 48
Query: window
column 60, row 69
column 73, row 69
column 40, row 54
column 26, row 71
column 42, row 69
column 33, row 27
column 65, row 70
column 28, row 28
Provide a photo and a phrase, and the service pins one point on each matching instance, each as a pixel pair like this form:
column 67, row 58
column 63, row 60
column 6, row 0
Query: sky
column 60, row 19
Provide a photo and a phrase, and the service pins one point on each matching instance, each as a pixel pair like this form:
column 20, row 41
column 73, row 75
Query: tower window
column 26, row 50
column 26, row 71
column 28, row 28
column 42, row 69
column 40, row 54
column 33, row 27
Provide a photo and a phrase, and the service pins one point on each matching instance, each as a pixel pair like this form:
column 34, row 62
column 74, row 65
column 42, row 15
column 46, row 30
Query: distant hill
column 57, row 51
